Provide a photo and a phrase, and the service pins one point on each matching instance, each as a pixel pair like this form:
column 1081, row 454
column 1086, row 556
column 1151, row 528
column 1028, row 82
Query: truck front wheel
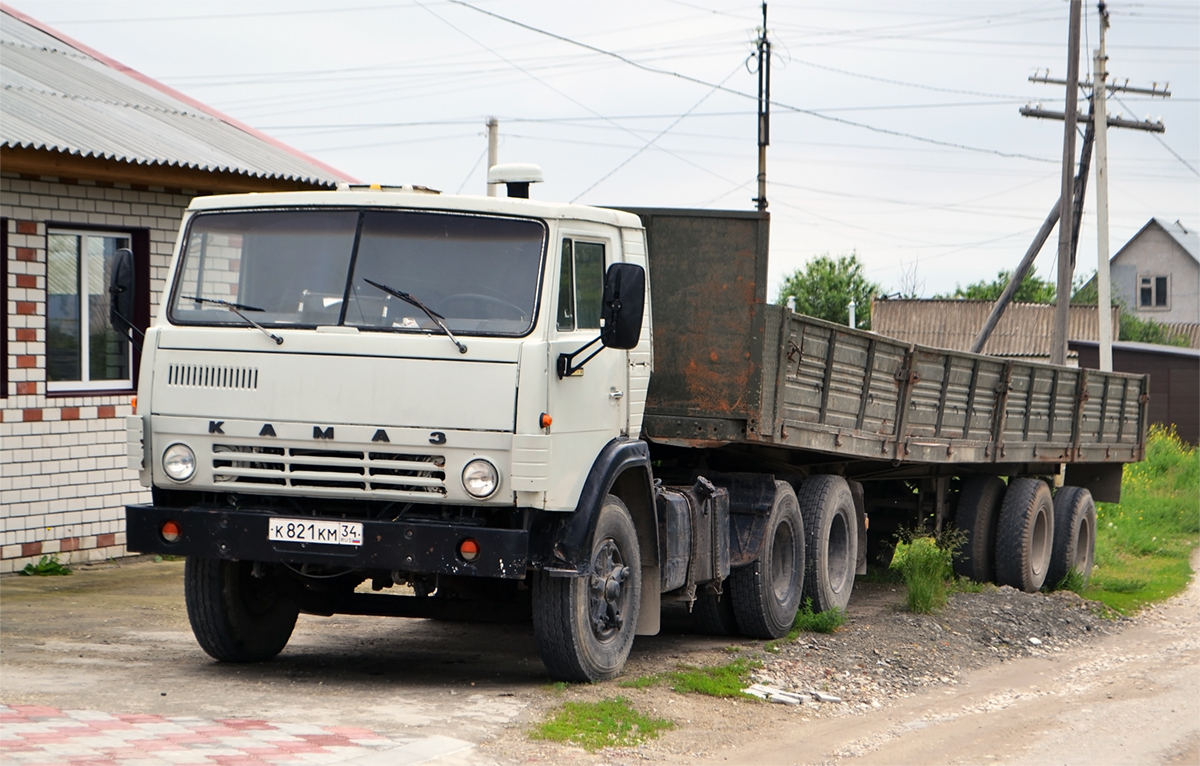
column 236, row 616
column 766, row 594
column 831, row 531
column 584, row 625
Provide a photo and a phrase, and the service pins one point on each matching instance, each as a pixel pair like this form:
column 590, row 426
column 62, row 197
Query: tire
column 712, row 615
column 831, row 535
column 977, row 518
column 584, row 626
column 767, row 593
column 235, row 616
column 1025, row 536
column 1074, row 535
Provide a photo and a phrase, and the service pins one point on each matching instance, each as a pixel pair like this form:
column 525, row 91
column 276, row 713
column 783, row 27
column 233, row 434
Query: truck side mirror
column 623, row 305
column 122, row 290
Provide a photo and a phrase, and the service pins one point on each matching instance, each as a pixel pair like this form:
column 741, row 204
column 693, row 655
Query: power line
column 1174, row 153
column 698, row 81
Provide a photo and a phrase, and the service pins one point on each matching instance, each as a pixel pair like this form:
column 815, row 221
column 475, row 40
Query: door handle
column 614, row 394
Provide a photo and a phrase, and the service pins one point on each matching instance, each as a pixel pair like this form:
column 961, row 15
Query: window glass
column 480, row 273
column 566, row 290
column 83, row 349
column 287, row 268
column 1160, row 291
column 589, row 283
column 1146, row 293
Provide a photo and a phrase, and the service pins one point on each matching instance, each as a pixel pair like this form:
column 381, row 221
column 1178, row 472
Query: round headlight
column 179, row 462
column 480, row 479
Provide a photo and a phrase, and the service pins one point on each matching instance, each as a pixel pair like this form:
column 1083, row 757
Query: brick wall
column 63, row 476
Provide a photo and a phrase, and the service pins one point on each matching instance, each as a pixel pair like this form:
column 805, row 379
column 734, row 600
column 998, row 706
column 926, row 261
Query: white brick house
column 69, row 198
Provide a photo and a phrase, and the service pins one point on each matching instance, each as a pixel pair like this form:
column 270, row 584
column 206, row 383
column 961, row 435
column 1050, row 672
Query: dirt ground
column 116, row 639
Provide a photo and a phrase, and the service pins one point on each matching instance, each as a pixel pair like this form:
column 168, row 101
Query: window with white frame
column 581, row 285
column 83, row 350
column 1153, row 292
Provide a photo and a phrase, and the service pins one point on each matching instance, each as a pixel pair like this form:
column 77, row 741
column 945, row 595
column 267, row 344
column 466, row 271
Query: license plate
column 314, row 531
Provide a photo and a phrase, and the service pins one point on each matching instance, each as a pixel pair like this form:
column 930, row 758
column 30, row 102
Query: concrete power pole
column 1062, row 306
column 1100, row 109
column 493, row 133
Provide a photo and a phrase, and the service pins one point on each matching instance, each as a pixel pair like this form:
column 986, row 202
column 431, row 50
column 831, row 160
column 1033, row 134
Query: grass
column 1144, row 543
column 49, row 566
column 595, row 725
column 726, row 680
column 926, row 567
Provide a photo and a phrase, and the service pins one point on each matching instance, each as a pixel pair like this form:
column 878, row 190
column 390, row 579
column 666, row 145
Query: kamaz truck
column 385, row 401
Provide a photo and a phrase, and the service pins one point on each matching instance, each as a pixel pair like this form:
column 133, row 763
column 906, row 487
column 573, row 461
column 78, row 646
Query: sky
column 895, row 130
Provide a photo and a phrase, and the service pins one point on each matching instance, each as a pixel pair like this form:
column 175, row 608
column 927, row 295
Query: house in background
column 94, row 157
column 1157, row 274
column 1023, row 332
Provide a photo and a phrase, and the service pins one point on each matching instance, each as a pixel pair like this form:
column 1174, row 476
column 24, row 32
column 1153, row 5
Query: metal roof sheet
column 1023, row 330
column 58, row 95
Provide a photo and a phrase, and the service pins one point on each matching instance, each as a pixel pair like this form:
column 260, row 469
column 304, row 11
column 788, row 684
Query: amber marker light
column 133, row 403
column 546, row 420
column 468, row 550
column 170, row 531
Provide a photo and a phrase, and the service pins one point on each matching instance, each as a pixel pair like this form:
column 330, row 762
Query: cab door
column 590, row 407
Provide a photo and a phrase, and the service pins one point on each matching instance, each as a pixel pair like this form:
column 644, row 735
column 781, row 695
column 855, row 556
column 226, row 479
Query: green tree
column 825, row 286
column 1033, row 289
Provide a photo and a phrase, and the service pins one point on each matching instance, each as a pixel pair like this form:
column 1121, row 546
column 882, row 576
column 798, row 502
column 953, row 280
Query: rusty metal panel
column 708, row 273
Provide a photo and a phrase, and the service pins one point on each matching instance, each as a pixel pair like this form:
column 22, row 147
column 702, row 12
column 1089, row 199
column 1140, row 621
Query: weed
column 596, row 725
column 967, row 585
column 817, row 622
column 49, row 566
column 1073, row 581
column 926, row 567
column 715, row 681
column 558, row 687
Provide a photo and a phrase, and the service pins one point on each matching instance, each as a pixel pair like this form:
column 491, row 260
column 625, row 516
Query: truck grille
column 423, row 476
column 211, row 376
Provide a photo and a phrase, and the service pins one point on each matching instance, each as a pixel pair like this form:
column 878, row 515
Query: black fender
column 560, row 542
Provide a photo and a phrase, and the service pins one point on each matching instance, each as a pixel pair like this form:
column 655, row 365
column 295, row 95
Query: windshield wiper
column 436, row 317
column 234, row 307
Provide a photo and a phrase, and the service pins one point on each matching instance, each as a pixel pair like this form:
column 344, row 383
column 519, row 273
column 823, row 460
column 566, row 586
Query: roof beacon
column 516, row 176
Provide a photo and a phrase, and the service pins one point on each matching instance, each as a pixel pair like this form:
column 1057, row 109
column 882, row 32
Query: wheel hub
column 606, row 591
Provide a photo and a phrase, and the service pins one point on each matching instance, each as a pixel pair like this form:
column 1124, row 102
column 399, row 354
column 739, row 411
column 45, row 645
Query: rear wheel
column 1074, row 535
column 584, row 626
column 766, row 594
column 978, row 515
column 1025, row 535
column 831, row 534
column 236, row 616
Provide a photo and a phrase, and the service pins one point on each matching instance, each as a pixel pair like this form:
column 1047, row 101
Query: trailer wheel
column 1074, row 535
column 1025, row 536
column 235, row 616
column 977, row 518
column 584, row 626
column 766, row 593
column 712, row 615
column 831, row 534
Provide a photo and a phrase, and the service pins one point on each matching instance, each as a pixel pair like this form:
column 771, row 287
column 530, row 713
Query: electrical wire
column 1174, row 153
column 789, row 107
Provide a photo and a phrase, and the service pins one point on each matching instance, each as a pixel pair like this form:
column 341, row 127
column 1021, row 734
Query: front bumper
column 413, row 547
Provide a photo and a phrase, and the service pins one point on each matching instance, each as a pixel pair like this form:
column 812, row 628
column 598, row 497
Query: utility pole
column 493, row 134
column 764, row 111
column 1100, row 107
column 1062, row 305
column 1097, row 120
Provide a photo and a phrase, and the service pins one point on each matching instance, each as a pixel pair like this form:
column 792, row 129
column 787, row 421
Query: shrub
column 925, row 567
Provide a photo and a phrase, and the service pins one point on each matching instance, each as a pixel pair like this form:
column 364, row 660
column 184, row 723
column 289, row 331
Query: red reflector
column 170, row 531
column 468, row 549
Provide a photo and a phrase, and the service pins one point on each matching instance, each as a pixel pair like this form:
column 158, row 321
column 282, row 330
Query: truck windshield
column 309, row 267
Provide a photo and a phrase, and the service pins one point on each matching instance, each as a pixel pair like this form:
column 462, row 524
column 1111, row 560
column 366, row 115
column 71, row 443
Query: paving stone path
column 33, row 735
